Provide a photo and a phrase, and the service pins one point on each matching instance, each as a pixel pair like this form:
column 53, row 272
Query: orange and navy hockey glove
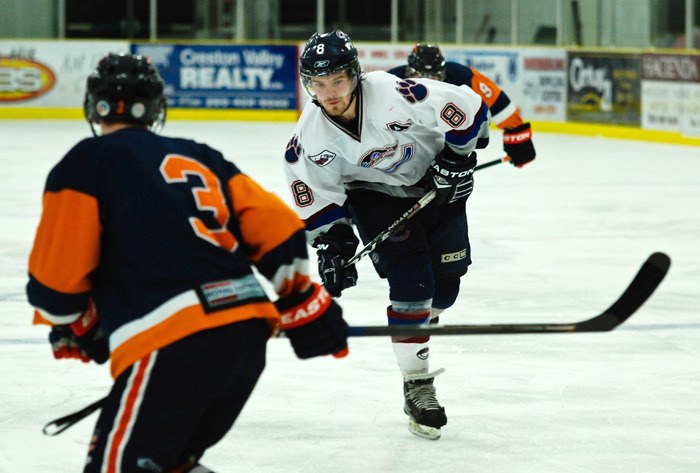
column 517, row 143
column 82, row 340
column 314, row 323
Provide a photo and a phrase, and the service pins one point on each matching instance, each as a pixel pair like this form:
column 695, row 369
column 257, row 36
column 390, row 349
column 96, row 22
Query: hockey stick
column 57, row 426
column 488, row 164
column 640, row 289
column 425, row 200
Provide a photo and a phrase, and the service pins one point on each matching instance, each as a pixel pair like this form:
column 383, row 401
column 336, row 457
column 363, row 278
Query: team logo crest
column 398, row 126
column 323, row 158
column 377, row 155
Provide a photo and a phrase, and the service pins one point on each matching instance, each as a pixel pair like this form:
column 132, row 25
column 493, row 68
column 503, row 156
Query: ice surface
column 556, row 241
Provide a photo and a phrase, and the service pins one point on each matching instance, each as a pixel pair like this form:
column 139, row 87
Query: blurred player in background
column 143, row 256
column 365, row 149
column 426, row 60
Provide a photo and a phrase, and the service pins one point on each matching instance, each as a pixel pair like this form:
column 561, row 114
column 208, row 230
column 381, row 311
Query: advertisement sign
column 49, row 73
column 226, row 76
column 690, row 109
column 382, row 57
column 604, row 88
column 671, row 93
column 502, row 66
column 544, row 85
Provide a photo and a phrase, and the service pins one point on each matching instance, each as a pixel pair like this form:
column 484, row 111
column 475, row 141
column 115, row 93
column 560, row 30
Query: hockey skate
column 425, row 414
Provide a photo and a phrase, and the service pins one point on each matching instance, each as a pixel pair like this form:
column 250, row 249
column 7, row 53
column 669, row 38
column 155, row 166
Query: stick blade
column 645, row 282
column 640, row 289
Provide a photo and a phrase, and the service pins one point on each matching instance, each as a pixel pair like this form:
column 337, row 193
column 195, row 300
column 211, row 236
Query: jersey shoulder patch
column 412, row 91
column 293, row 151
column 323, row 158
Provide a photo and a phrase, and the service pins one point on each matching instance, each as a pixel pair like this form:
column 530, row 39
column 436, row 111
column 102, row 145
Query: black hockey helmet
column 328, row 53
column 125, row 88
column 426, row 60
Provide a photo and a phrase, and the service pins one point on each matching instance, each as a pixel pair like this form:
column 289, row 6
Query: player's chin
column 332, row 104
column 332, row 110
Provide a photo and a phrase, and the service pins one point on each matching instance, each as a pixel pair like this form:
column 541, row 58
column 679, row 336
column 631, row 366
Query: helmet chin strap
column 353, row 96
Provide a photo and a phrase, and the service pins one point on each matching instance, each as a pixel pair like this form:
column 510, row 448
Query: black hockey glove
column 314, row 323
column 517, row 143
column 82, row 340
column 451, row 175
column 334, row 248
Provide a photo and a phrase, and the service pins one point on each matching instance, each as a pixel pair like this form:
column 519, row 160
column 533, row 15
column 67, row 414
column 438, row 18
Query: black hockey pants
column 173, row 404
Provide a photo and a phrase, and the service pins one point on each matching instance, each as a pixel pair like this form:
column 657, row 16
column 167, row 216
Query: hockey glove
column 451, row 175
column 517, row 143
column 82, row 340
column 65, row 345
column 334, row 248
column 314, row 323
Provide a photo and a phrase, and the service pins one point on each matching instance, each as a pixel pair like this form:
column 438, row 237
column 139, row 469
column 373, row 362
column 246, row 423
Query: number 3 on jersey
column 209, row 198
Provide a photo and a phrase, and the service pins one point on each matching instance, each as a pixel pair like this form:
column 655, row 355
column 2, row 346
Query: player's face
column 333, row 92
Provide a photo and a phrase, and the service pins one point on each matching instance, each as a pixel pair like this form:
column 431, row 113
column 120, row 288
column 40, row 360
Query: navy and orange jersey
column 161, row 233
column 504, row 114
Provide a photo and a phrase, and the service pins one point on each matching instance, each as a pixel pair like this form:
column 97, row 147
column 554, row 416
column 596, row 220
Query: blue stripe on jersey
column 460, row 138
column 325, row 216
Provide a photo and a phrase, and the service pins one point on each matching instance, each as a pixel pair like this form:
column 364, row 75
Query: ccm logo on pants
column 450, row 257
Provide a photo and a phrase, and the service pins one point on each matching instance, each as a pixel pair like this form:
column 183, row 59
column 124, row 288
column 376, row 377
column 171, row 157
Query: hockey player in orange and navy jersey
column 143, row 256
column 427, row 61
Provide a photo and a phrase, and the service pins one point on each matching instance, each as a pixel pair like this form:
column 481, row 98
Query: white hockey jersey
column 402, row 125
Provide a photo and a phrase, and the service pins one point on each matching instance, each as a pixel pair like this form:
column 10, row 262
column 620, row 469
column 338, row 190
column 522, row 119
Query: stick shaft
column 425, row 200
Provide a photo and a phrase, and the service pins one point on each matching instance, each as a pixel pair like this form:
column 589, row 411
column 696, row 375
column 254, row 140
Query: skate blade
column 430, row 433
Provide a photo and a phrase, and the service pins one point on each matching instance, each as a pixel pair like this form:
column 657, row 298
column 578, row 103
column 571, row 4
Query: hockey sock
column 411, row 352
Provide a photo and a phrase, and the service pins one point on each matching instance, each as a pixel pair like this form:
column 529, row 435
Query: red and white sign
column 49, row 73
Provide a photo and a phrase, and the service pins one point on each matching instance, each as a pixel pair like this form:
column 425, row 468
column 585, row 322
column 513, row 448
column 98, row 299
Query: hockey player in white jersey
column 365, row 149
